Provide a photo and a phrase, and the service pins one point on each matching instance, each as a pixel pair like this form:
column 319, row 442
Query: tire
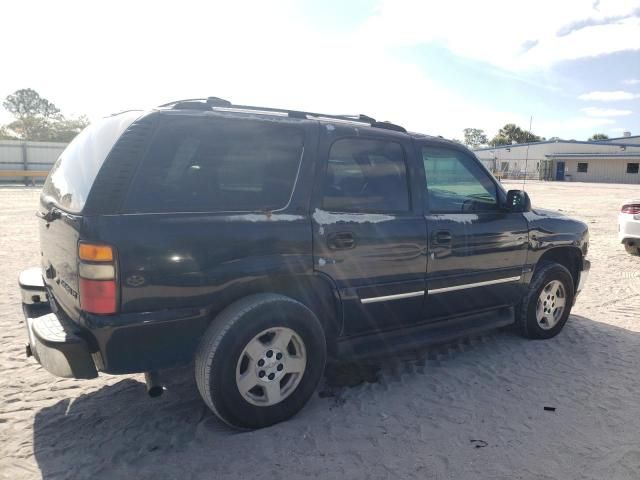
column 633, row 249
column 258, row 326
column 547, row 277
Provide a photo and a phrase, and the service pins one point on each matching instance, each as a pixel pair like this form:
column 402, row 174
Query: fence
column 536, row 170
column 33, row 158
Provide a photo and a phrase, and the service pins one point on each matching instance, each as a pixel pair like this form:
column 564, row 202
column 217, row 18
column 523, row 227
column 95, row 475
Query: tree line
column 38, row 119
column 510, row 134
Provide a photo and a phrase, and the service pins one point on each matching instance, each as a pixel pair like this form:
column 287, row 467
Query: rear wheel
column 632, row 248
column 547, row 305
column 260, row 360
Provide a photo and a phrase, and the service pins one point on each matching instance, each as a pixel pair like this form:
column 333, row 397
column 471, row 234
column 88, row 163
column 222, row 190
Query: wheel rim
column 271, row 366
column 551, row 304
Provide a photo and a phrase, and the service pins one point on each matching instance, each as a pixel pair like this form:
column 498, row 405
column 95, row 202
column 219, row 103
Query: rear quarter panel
column 170, row 261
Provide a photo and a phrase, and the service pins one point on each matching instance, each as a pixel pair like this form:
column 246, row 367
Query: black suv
column 261, row 242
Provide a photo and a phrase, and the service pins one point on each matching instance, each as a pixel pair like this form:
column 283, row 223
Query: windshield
column 71, row 177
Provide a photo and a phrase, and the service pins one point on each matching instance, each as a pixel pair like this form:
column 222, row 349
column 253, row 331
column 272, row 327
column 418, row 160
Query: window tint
column 456, row 183
column 583, row 167
column 211, row 164
column 632, row 168
column 366, row 175
column 72, row 175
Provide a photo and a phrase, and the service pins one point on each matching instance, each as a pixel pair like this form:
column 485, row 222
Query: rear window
column 211, row 164
column 72, row 175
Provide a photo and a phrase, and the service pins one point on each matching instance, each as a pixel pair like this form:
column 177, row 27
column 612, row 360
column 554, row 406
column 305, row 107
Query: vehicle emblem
column 135, row 280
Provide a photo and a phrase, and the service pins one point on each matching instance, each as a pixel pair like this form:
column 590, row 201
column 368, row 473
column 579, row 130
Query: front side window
column 583, row 167
column 456, row 183
column 366, row 175
column 215, row 165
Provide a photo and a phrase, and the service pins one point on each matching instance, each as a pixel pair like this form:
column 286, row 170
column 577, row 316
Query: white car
column 629, row 226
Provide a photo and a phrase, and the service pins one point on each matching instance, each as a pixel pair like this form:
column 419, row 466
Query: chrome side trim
column 473, row 285
column 387, row 298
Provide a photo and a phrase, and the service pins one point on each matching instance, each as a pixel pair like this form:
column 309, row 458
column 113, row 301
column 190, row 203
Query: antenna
column 526, row 158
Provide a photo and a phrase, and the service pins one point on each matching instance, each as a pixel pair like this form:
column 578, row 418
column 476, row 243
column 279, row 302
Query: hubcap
column 271, row 366
column 551, row 303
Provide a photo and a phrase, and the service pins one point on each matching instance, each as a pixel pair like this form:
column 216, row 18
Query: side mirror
column 518, row 201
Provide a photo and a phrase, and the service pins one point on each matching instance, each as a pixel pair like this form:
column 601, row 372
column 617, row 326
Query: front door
column 560, row 171
column 369, row 233
column 477, row 250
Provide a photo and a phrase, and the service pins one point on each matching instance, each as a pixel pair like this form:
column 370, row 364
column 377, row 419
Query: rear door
column 477, row 250
column 369, row 234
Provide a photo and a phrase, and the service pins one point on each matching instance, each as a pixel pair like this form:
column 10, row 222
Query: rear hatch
column 63, row 199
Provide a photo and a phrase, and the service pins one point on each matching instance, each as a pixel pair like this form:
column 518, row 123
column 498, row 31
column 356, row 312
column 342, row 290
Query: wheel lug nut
column 261, row 373
column 260, row 362
column 272, row 376
column 278, row 356
column 280, row 367
column 270, row 353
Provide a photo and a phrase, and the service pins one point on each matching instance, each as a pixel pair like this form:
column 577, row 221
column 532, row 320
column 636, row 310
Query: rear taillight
column 98, row 296
column 632, row 208
column 98, row 289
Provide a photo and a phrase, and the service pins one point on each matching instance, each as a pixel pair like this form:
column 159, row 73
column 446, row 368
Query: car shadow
column 119, row 432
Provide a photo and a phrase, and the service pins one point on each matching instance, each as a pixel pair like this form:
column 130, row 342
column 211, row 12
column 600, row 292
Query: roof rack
column 211, row 103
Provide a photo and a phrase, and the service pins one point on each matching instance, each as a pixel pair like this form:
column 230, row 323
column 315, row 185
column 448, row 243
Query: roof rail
column 197, row 103
column 219, row 103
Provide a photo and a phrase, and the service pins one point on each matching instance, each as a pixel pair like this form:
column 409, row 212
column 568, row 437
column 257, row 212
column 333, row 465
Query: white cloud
column 122, row 54
column 275, row 57
column 564, row 127
column 605, row 112
column 631, row 81
column 514, row 39
column 609, row 96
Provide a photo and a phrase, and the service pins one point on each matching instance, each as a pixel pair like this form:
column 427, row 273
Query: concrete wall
column 19, row 155
column 610, row 170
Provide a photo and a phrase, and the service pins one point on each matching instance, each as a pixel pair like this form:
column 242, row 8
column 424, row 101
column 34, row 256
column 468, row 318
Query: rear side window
column 211, row 164
column 365, row 175
column 72, row 175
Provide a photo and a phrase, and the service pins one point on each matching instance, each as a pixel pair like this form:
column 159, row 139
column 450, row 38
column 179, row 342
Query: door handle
column 341, row 241
column 442, row 237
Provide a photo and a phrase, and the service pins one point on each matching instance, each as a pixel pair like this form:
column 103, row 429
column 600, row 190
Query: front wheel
column 547, row 305
column 260, row 360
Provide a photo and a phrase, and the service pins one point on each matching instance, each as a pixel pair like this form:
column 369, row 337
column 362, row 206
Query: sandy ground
column 473, row 410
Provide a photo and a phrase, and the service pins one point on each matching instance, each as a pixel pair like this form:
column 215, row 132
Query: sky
column 570, row 66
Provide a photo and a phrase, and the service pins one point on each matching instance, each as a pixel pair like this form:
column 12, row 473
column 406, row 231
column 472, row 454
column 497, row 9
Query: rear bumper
column 53, row 340
column 628, row 227
column 116, row 344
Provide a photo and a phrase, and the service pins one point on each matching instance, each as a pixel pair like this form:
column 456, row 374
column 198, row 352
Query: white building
column 616, row 160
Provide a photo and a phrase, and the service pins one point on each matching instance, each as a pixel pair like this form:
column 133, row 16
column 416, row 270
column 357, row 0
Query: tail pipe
column 154, row 387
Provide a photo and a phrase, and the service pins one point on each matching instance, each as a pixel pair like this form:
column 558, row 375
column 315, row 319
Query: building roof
column 617, row 138
column 593, row 155
column 599, row 143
